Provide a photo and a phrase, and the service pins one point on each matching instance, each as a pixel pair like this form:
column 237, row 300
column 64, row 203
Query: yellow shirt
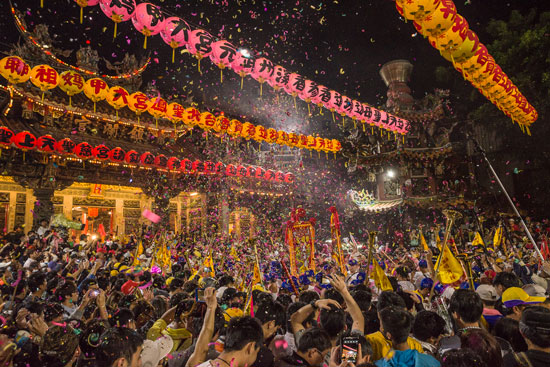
column 381, row 346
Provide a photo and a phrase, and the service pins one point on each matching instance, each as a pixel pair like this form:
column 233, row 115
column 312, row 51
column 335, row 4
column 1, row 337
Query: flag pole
column 497, row 179
column 372, row 237
column 451, row 216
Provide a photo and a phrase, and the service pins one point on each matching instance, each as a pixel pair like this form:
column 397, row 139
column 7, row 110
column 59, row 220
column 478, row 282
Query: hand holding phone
column 350, row 349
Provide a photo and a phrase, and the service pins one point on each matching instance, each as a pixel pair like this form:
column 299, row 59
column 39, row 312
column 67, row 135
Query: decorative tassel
column 333, row 120
column 117, row 114
column 308, row 110
column 363, row 127
column 296, row 108
column 242, row 81
column 145, row 43
column 114, row 35
column 42, row 96
column 81, row 14
column 94, row 107
column 221, row 75
column 41, row 3
column 261, row 89
column 199, row 64
column 320, row 110
column 70, row 101
column 173, row 54
column 24, row 155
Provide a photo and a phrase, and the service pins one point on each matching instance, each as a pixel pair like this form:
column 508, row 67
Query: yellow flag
column 233, row 252
column 380, row 279
column 423, row 242
column 139, row 251
column 437, row 241
column 209, row 262
column 256, row 279
column 478, row 240
column 497, row 239
column 450, row 270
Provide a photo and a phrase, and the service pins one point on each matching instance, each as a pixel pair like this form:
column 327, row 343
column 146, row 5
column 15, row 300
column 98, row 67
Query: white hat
column 154, row 351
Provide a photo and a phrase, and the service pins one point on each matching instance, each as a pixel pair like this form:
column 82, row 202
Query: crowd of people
column 73, row 301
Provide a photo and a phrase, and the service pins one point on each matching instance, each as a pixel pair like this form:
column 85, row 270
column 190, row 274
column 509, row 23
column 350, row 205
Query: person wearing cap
column 534, row 326
column 489, row 297
column 354, row 268
column 154, row 351
column 515, row 299
column 421, row 273
column 543, row 277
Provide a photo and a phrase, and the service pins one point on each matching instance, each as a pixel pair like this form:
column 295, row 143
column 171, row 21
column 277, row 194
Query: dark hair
column 363, row 299
column 159, row 307
column 428, row 324
column 117, row 343
column 467, row 304
column 121, row 318
column 397, row 322
column 389, row 298
column 271, row 311
column 176, row 284
column 89, row 339
column 293, row 308
column 508, row 329
column 284, row 299
column 52, row 311
column 36, row 280
column 241, row 331
column 333, row 321
column 65, row 291
column 308, row 296
column 462, row 358
column 402, row 271
column 58, row 346
column 335, row 295
column 507, row 280
column 225, row 280
column 178, row 298
column 314, row 338
column 535, row 325
column 483, row 344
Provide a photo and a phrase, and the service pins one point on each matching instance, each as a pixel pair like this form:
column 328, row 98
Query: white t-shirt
column 406, row 285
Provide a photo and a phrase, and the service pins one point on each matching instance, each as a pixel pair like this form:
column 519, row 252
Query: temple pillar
column 119, row 217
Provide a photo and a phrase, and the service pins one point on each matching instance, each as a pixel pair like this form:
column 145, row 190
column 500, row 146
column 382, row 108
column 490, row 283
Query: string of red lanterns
column 47, row 144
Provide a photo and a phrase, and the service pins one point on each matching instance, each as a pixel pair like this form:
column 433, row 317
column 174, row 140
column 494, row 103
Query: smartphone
column 350, row 347
column 94, row 293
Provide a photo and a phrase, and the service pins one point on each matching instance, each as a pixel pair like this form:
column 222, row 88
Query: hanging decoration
column 449, row 32
column 223, row 54
column 174, row 33
column 148, row 20
column 97, row 90
column 14, row 69
column 119, row 11
column 200, row 44
column 65, row 147
column 44, row 77
column 71, row 83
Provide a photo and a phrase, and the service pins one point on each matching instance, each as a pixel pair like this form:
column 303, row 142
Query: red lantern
column 269, row 175
column 147, row 159
column 260, row 172
column 219, row 168
column 131, row 157
column 24, row 140
column 5, row 135
column 83, row 150
column 241, row 171
column 230, row 170
column 279, row 176
column 161, row 161
column 101, row 152
column 198, row 166
column 186, row 165
column 117, row 155
column 65, row 146
column 45, row 143
column 173, row 163
column 250, row 171
column 208, row 167
column 289, row 178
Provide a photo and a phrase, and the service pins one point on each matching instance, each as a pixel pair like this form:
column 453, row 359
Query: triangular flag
column 450, row 269
column 233, row 252
column 208, row 262
column 256, row 279
column 478, row 240
column 497, row 239
column 380, row 279
column 423, row 242
column 139, row 251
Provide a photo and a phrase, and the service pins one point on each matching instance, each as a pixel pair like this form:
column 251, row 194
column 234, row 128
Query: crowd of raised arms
column 119, row 302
